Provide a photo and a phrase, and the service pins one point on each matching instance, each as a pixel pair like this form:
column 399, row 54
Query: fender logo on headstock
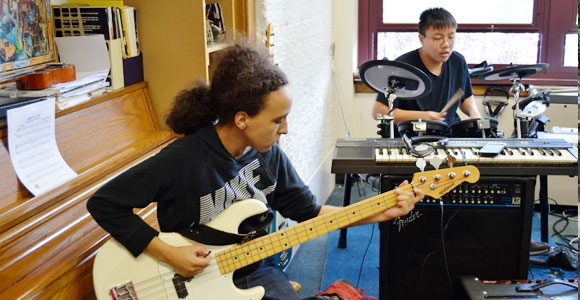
column 446, row 189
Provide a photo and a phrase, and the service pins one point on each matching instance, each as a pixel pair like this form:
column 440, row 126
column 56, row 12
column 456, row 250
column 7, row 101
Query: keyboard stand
column 544, row 207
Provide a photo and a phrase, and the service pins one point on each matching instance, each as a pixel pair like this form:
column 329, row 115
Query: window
column 497, row 31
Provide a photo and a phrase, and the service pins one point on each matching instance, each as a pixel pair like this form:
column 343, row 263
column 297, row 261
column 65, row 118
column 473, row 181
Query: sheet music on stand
column 34, row 153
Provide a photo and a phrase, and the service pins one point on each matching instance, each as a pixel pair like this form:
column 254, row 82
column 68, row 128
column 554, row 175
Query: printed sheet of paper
column 33, row 149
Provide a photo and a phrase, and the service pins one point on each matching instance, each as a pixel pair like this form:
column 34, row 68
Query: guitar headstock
column 437, row 183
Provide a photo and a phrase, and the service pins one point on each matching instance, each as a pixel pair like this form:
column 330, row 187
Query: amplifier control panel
column 487, row 194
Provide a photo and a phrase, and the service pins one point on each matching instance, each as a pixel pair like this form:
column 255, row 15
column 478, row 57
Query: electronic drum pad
column 395, row 77
column 514, row 72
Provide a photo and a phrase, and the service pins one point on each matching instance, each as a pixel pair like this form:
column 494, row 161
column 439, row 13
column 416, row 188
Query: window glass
column 570, row 59
column 521, row 48
column 465, row 12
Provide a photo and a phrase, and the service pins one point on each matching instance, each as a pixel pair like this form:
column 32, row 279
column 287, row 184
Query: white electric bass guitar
column 118, row 275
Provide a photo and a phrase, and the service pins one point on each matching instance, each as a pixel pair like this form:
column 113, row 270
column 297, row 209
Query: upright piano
column 48, row 242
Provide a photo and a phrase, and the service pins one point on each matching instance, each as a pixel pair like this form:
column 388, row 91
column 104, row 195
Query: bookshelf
column 216, row 47
column 174, row 46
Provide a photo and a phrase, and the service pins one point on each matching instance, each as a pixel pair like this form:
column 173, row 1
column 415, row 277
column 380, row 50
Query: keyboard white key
column 509, row 156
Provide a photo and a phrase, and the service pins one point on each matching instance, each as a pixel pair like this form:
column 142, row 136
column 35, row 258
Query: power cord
column 568, row 239
column 435, row 251
column 570, row 217
column 571, row 243
column 365, row 254
column 443, row 247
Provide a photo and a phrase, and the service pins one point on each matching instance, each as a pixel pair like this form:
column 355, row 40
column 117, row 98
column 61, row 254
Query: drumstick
column 452, row 100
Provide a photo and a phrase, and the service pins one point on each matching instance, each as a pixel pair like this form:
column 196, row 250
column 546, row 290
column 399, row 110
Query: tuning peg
column 451, row 160
column 420, row 163
column 436, row 162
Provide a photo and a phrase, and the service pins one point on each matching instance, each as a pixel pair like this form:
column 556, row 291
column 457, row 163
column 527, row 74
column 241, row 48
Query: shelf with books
column 217, row 47
column 175, row 46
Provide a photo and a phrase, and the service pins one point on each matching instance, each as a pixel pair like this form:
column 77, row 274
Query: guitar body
column 46, row 78
column 150, row 278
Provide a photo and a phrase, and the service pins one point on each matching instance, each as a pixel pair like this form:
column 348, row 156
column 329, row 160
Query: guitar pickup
column 125, row 291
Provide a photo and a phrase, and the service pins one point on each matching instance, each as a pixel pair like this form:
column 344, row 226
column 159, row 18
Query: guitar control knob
column 437, row 177
column 452, row 175
column 466, row 173
column 423, row 179
column 433, row 186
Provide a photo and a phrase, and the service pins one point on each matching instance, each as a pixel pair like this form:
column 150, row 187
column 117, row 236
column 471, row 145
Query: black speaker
column 486, row 233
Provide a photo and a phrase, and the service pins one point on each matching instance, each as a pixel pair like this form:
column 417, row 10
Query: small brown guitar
column 45, row 78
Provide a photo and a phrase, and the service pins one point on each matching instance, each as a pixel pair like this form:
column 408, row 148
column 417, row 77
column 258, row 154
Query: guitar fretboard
column 252, row 251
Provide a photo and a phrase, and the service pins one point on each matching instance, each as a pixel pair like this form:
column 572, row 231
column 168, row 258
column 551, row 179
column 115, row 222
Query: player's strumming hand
column 187, row 260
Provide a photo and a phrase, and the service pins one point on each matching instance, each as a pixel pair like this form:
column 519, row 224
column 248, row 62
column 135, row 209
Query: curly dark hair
column 437, row 17
column 241, row 81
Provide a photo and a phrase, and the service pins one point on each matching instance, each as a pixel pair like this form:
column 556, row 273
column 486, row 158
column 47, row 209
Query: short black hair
column 437, row 17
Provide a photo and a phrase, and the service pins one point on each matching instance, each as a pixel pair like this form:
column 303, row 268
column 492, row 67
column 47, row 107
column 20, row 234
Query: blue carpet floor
column 320, row 262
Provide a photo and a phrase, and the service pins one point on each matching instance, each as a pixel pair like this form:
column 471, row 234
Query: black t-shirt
column 454, row 75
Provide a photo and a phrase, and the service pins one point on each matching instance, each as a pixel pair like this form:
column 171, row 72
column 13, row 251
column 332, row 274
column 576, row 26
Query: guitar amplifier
column 487, row 230
column 474, row 289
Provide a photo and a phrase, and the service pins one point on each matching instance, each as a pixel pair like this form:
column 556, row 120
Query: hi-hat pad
column 514, row 72
column 395, row 77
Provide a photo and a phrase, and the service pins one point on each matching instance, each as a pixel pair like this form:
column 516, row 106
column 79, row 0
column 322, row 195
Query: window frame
column 552, row 19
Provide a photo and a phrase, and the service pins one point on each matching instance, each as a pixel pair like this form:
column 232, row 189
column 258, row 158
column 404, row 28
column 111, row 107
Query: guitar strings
column 305, row 227
column 389, row 198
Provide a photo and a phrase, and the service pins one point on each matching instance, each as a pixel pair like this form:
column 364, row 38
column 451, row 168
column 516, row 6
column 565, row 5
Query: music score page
column 34, row 153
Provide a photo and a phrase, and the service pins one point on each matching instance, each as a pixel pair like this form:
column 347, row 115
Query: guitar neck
column 257, row 249
column 434, row 183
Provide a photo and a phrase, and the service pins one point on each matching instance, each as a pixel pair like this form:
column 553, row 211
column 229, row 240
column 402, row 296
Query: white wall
column 302, row 48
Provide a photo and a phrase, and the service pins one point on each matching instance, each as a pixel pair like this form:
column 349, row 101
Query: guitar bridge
column 124, row 291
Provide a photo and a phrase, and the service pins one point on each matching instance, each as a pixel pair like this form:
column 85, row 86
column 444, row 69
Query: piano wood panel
column 86, row 137
column 48, row 243
column 108, row 132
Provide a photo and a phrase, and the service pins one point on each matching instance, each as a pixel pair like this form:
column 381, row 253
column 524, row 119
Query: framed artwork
column 26, row 37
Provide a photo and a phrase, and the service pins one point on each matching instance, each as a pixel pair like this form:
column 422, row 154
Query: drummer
column 446, row 68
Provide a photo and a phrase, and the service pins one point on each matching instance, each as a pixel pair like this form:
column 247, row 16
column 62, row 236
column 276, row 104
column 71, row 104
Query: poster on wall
column 25, row 34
